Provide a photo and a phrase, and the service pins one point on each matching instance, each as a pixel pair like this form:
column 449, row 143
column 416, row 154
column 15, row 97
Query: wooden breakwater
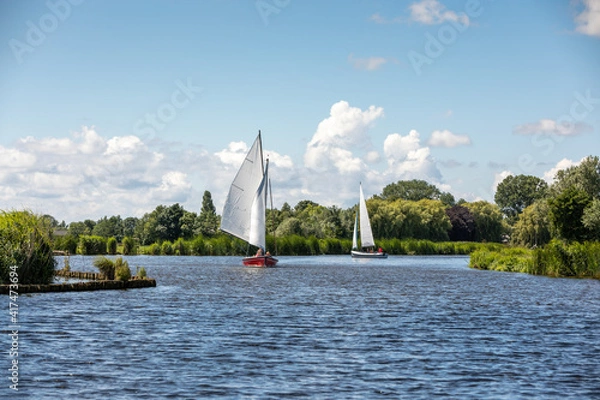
column 81, row 286
column 92, row 276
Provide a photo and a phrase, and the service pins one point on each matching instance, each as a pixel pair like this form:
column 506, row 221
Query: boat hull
column 260, row 261
column 364, row 254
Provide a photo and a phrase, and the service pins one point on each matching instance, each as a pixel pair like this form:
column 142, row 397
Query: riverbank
column 556, row 259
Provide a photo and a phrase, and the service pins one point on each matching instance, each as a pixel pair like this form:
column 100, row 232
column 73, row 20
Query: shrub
column 25, row 243
column 154, row 249
column 106, row 267
column 90, row 245
column 128, row 246
column 122, row 271
column 111, row 246
column 141, row 273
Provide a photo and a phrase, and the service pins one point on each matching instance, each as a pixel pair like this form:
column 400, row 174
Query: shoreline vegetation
column 556, row 259
column 532, row 227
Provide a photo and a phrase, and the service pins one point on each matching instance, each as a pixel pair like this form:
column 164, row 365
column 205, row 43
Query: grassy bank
column 295, row 245
column 558, row 259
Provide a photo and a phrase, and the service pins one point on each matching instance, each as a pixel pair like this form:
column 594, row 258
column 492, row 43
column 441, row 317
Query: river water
column 314, row 327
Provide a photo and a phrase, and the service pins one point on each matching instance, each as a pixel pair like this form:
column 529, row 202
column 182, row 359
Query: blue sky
column 111, row 107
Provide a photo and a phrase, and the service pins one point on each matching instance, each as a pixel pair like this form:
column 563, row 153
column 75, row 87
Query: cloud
column 234, row 154
column 432, row 12
column 588, row 21
column 446, row 138
column 87, row 175
column 366, row 64
column 343, row 131
column 407, row 159
column 552, row 127
column 14, row 159
column 174, row 187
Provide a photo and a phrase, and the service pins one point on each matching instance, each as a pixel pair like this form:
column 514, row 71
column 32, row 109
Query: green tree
column 448, row 199
column 208, row 221
column 169, row 222
column 515, row 193
column 414, row 190
column 584, row 177
column 189, row 224
column 312, row 218
column 129, row 225
column 290, row 226
column 77, row 229
column 303, row 204
column 566, row 213
column 591, row 219
column 489, row 224
column 331, row 222
column 109, row 227
column 533, row 226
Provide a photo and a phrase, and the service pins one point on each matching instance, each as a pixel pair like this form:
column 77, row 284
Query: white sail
column 366, row 234
column 355, row 235
column 257, row 214
column 242, row 210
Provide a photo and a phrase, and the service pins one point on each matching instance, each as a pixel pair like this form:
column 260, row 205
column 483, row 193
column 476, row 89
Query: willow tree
column 489, row 225
column 532, row 228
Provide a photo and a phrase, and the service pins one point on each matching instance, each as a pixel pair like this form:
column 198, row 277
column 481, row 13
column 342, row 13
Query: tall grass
column 25, row 246
column 296, row 245
column 557, row 258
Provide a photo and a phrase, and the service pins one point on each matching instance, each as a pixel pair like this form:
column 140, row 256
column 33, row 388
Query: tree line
column 412, row 209
column 527, row 211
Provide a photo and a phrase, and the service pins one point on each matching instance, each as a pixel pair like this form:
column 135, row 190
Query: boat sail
column 244, row 210
column 367, row 243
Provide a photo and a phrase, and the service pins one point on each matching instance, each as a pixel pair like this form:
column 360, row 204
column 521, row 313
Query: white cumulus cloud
column 344, row 131
column 588, row 21
column 408, row 159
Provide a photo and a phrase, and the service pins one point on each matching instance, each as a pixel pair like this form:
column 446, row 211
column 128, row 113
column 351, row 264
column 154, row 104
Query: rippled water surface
column 314, row 327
